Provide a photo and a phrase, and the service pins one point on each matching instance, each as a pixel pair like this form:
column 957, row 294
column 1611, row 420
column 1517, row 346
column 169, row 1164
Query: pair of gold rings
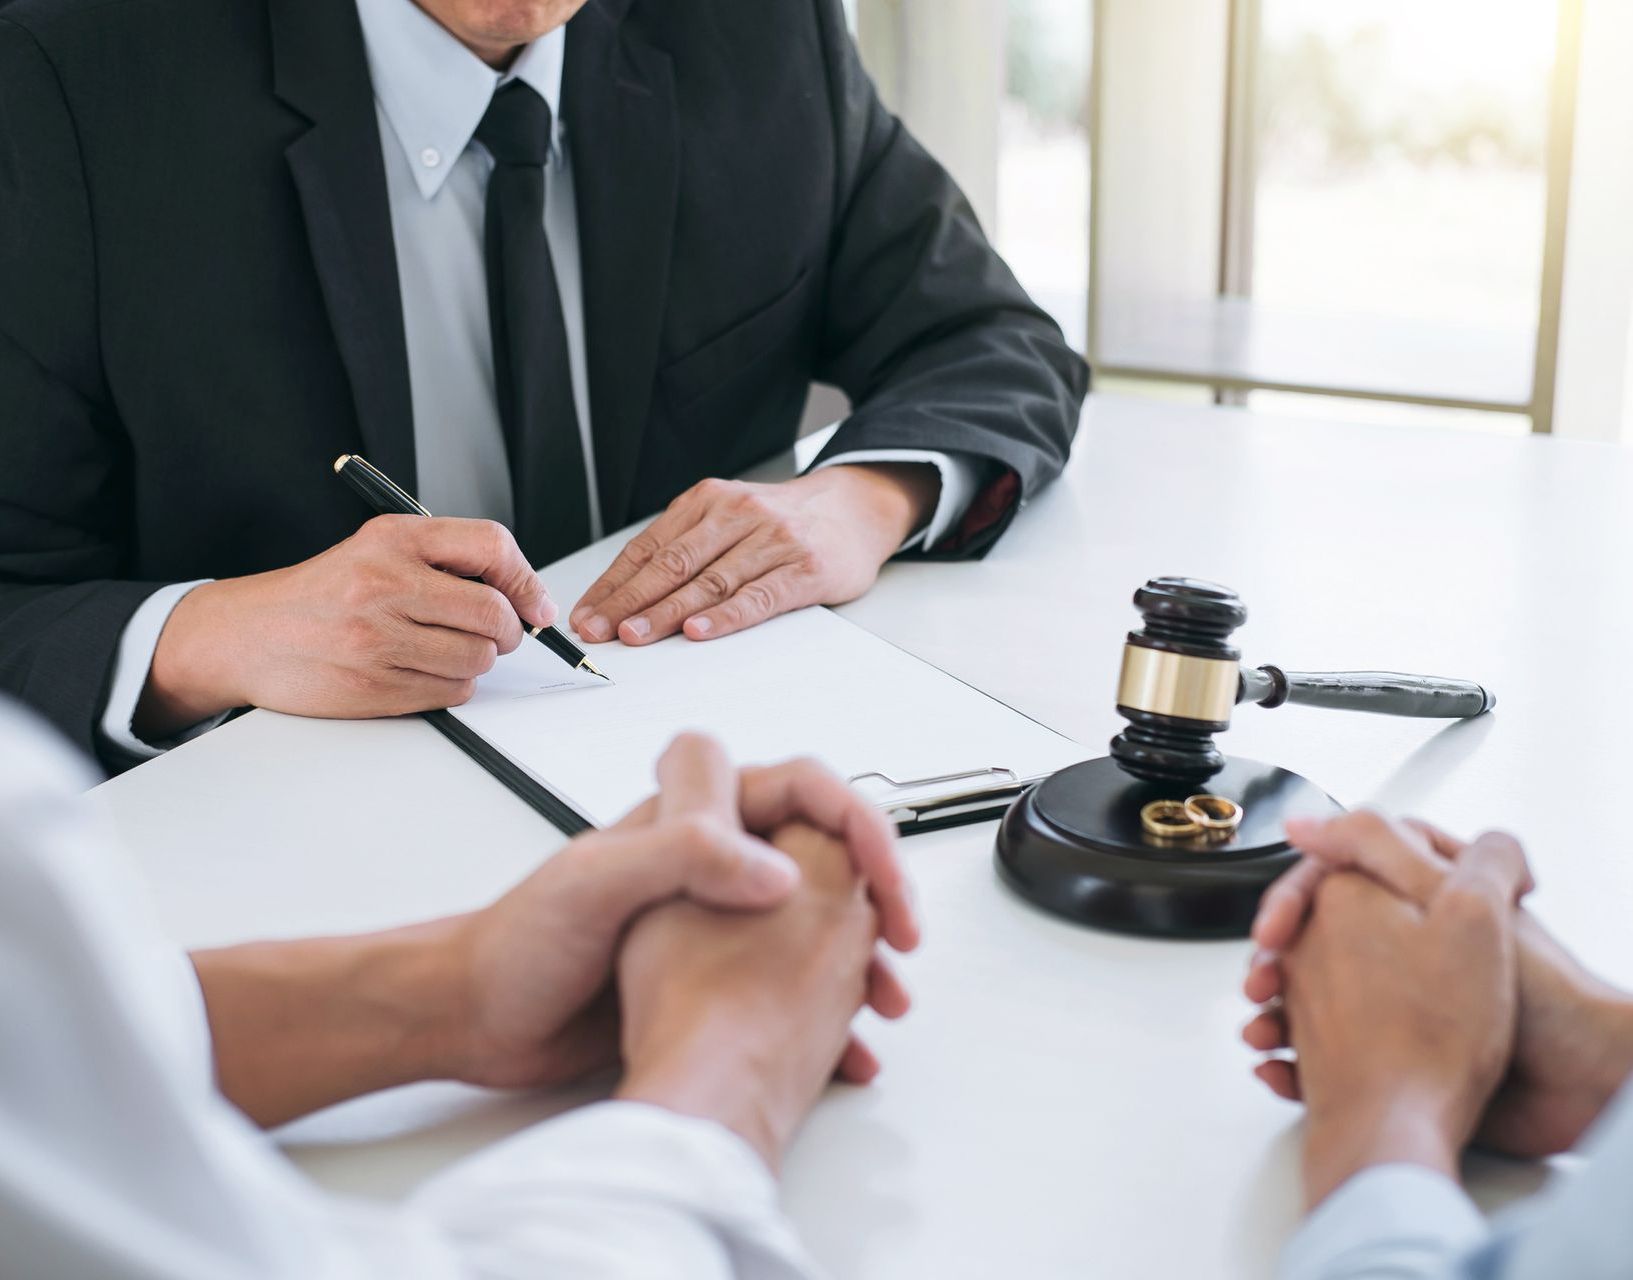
column 1201, row 818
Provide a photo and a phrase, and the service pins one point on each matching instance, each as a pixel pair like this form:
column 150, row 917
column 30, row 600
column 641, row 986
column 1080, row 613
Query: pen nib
column 587, row 665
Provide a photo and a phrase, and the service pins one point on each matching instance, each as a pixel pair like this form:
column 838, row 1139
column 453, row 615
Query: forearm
column 1381, row 1187
column 1390, row 1222
column 1341, row 1142
column 1613, row 1066
column 1400, row 1222
column 695, row 1079
column 297, row 1026
column 1587, row 1017
column 193, row 673
column 894, row 497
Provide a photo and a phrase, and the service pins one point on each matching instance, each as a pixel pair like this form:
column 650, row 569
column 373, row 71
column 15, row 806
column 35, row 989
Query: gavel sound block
column 1075, row 845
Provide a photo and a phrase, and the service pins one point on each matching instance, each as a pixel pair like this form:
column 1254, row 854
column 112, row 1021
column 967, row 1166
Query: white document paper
column 805, row 684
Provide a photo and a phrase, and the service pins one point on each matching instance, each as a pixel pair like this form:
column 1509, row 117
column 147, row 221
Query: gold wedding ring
column 1200, row 820
column 1216, row 816
column 1169, row 820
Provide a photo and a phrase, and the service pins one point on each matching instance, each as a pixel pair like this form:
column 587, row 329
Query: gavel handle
column 1386, row 693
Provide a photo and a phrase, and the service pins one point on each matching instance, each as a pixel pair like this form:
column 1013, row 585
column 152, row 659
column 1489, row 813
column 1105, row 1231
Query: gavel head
column 1181, row 677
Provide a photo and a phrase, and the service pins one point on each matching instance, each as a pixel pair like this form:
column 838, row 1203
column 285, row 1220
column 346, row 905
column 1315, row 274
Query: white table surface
column 1061, row 1102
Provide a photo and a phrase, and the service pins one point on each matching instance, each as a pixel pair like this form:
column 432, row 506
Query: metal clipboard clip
column 973, row 795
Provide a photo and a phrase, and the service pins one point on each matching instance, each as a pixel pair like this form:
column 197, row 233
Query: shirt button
column 430, row 157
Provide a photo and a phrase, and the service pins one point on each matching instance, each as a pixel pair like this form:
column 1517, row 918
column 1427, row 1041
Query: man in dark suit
column 553, row 264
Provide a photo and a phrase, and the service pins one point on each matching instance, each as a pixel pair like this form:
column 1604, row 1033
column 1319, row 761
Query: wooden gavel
column 1181, row 678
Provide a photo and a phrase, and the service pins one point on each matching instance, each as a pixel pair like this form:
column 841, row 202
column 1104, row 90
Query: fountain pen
column 388, row 498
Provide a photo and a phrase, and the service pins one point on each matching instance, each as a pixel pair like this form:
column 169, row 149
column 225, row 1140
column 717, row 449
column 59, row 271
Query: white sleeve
column 118, row 1158
column 960, row 482
column 1389, row 1222
column 619, row 1189
column 137, row 644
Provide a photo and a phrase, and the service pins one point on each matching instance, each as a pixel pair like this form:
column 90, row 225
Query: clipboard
column 978, row 795
column 528, row 789
column 948, row 799
column 810, row 684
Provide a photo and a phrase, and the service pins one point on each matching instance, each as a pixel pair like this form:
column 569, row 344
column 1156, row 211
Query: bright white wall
column 1627, row 406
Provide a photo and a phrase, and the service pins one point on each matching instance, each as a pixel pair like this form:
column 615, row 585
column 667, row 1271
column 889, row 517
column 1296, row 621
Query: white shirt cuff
column 137, row 645
column 1400, row 1221
column 960, row 482
column 617, row 1189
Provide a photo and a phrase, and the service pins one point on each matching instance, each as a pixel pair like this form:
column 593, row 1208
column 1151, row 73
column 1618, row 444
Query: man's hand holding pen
column 382, row 624
column 405, row 614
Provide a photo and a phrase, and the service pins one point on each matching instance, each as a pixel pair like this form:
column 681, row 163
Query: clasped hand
column 1425, row 1007
column 742, row 912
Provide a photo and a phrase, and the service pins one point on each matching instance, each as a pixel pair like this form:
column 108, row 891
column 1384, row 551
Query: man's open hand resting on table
column 728, row 554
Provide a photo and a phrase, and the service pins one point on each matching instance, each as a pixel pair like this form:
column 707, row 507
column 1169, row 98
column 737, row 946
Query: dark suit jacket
column 199, row 305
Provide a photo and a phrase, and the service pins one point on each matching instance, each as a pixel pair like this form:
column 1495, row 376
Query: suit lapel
column 321, row 70
column 618, row 103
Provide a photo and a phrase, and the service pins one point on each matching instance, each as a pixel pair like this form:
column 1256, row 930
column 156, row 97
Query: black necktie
column 531, row 370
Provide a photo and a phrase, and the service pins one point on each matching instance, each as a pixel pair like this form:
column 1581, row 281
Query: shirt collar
column 434, row 91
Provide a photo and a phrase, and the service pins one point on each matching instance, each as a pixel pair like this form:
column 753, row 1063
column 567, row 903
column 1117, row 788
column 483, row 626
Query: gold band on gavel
column 1172, row 684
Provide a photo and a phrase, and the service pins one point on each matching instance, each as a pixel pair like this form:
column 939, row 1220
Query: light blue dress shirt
column 1404, row 1222
column 430, row 94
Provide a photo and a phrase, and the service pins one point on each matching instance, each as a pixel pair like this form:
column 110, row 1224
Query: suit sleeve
column 64, row 470
column 924, row 326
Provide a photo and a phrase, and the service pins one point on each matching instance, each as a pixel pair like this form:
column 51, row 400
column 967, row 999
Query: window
column 1291, row 198
column 1400, row 183
column 1043, row 157
column 1351, row 199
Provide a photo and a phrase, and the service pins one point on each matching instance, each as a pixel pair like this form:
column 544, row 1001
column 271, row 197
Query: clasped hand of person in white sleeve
column 715, row 945
column 603, row 947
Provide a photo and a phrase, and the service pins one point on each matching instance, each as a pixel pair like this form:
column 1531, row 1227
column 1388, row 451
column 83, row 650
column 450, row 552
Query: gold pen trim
column 358, row 459
column 584, row 663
